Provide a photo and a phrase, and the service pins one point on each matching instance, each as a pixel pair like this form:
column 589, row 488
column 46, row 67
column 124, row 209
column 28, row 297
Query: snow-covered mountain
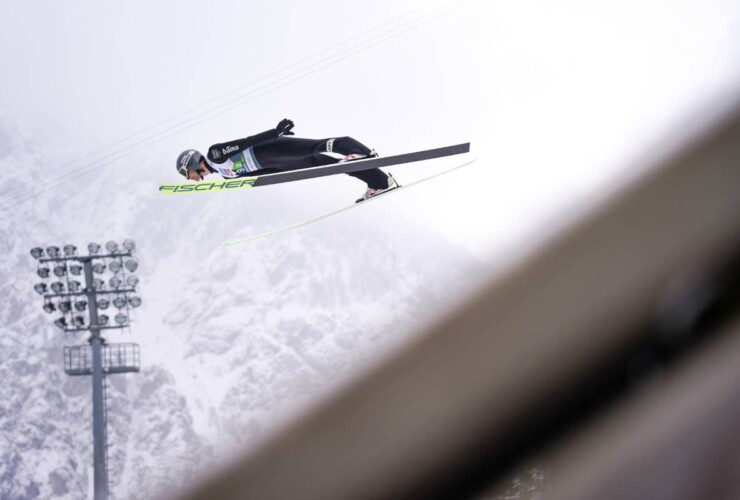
column 233, row 340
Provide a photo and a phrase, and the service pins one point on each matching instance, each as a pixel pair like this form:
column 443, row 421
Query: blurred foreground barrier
column 640, row 286
column 679, row 440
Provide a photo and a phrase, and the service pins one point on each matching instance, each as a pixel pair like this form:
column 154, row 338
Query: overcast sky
column 559, row 99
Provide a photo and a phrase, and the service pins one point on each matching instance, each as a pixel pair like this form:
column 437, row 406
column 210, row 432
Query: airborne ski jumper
column 275, row 151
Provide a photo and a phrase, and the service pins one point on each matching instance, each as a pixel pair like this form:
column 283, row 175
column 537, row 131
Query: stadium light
column 132, row 264
column 115, row 265
column 92, row 298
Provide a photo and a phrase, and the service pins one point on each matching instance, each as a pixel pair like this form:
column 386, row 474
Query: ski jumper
column 266, row 153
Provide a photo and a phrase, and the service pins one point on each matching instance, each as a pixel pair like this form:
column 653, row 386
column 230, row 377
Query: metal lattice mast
column 98, row 358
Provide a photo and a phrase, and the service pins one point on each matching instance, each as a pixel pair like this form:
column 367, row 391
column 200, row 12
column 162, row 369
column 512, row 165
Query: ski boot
column 371, row 193
column 355, row 156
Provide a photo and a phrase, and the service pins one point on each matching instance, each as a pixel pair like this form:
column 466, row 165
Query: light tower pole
column 97, row 358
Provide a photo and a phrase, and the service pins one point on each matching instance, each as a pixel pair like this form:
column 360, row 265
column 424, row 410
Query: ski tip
column 235, row 242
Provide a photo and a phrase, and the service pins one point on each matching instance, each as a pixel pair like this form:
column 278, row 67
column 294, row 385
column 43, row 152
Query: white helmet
column 188, row 160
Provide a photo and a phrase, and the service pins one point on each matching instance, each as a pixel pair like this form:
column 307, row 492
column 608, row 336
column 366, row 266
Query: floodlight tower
column 98, row 358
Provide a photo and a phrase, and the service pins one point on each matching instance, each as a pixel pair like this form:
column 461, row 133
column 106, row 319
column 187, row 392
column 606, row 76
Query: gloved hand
column 284, row 127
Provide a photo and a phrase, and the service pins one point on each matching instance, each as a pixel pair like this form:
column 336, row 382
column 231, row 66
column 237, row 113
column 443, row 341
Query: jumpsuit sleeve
column 219, row 153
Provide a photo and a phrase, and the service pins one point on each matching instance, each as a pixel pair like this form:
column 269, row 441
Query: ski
column 310, row 173
column 343, row 209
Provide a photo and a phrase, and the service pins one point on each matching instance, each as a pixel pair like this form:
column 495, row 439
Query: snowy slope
column 233, row 341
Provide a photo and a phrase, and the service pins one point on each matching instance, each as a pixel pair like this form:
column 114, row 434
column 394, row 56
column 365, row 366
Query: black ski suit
column 268, row 153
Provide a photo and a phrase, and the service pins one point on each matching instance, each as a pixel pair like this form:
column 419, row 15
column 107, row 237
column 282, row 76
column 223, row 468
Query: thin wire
column 229, row 105
column 203, row 104
column 116, row 155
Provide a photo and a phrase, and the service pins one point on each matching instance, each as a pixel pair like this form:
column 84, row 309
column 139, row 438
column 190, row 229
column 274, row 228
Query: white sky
column 557, row 97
